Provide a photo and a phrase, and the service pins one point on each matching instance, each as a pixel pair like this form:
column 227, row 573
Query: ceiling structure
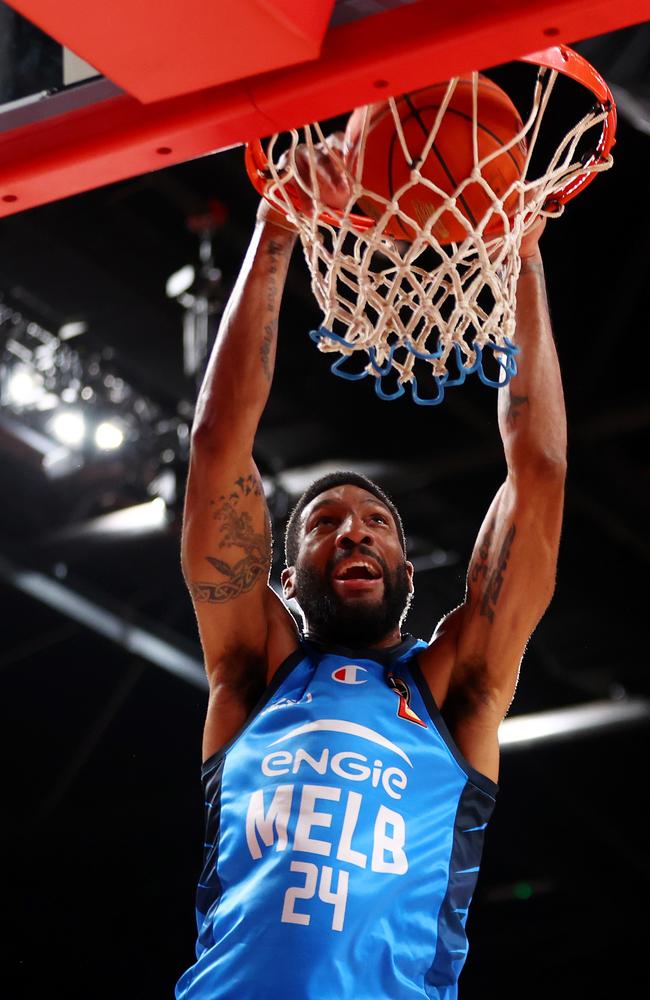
column 103, row 695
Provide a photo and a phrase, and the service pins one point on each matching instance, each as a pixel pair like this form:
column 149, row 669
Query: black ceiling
column 102, row 749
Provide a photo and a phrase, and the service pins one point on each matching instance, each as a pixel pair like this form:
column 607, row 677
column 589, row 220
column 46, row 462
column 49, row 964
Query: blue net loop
column 504, row 355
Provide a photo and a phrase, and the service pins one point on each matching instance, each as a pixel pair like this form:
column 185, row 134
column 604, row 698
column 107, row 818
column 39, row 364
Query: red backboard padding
column 157, row 50
column 359, row 62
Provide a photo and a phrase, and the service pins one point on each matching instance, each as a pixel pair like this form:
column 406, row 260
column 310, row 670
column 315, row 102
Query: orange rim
column 572, row 64
column 560, row 58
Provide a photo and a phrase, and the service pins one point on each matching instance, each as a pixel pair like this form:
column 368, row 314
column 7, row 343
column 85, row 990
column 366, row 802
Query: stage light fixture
column 69, row 394
column 72, row 329
column 180, row 281
column 68, row 427
column 24, row 386
column 109, row 436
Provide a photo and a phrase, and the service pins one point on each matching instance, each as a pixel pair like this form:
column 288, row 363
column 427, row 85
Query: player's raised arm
column 226, row 544
column 511, row 575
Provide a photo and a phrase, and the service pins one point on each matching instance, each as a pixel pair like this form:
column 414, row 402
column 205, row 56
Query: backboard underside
column 182, row 83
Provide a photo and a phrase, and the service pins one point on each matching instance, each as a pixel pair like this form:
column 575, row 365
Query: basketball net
column 421, row 313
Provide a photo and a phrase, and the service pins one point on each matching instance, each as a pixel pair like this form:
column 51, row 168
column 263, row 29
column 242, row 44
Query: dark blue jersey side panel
column 474, row 810
column 209, row 887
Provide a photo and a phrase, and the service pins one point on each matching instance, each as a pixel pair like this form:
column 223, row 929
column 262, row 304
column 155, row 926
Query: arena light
column 137, row 520
column 180, row 281
column 24, row 386
column 564, row 723
column 109, row 436
column 68, row 427
column 149, row 516
column 72, row 329
column 81, row 401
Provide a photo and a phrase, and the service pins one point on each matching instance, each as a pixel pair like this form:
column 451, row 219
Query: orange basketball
column 449, row 161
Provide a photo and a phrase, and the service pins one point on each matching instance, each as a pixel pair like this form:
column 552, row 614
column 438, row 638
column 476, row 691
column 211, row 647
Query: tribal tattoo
column 236, row 531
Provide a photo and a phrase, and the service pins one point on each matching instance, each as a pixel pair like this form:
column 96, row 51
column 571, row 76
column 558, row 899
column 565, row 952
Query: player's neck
column 392, row 638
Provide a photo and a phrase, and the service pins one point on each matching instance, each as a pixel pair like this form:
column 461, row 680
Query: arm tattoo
column 236, row 531
column 534, row 267
column 265, row 349
column 514, row 408
column 494, row 582
column 274, row 250
column 531, row 265
column 480, row 567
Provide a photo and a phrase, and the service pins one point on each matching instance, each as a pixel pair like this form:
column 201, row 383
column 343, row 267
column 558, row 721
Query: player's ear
column 409, row 573
column 288, row 580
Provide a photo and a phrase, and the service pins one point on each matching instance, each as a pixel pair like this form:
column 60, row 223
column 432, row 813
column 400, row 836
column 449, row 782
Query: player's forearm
column 239, row 374
column 532, row 417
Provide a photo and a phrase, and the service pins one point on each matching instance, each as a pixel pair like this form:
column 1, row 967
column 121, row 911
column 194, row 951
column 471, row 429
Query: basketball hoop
column 426, row 311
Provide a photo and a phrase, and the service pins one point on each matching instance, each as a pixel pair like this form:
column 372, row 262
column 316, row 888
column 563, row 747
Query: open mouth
column 357, row 574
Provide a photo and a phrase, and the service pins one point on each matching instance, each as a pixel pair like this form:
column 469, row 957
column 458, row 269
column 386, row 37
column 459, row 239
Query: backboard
column 92, row 99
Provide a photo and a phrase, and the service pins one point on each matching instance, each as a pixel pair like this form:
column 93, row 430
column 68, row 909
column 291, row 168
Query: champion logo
column 349, row 674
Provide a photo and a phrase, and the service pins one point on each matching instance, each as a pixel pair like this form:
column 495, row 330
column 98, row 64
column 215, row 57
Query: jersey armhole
column 279, row 676
column 481, row 781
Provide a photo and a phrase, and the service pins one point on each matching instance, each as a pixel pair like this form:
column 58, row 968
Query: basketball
column 449, row 161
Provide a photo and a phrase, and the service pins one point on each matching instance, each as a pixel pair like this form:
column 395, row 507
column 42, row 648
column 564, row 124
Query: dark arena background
column 109, row 301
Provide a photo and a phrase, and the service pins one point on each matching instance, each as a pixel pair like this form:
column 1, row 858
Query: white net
column 421, row 313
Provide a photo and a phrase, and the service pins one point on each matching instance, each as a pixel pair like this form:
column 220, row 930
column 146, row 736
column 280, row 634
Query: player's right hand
column 332, row 179
column 325, row 181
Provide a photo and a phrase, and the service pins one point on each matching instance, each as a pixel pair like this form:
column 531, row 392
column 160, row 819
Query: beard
column 334, row 620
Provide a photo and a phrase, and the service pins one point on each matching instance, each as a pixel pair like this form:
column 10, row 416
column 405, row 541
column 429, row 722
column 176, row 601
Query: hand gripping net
column 422, row 313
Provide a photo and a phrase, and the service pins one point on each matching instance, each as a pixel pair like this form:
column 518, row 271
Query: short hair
column 328, row 482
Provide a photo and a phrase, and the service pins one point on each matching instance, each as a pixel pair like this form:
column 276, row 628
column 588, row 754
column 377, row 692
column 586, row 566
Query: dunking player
column 350, row 772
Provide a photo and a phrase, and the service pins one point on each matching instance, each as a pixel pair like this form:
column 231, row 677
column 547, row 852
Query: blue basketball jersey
column 344, row 835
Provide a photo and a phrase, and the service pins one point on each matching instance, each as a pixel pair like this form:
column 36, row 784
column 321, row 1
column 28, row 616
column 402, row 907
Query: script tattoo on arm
column 265, row 349
column 480, row 566
column 236, row 531
column 493, row 581
column 535, row 267
column 274, row 250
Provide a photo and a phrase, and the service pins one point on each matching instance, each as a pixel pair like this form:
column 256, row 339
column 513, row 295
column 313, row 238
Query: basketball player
column 350, row 771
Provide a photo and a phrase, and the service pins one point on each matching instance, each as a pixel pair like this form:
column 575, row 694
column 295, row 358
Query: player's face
column 351, row 579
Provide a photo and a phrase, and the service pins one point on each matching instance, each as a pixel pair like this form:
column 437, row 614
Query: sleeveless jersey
column 344, row 835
